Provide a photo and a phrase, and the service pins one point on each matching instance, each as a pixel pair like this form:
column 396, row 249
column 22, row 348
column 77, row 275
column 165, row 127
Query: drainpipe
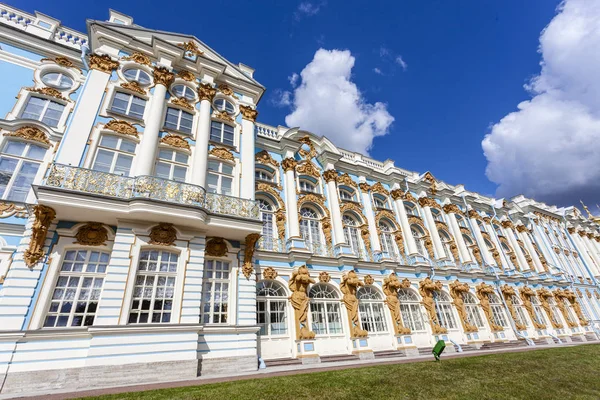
column 85, row 51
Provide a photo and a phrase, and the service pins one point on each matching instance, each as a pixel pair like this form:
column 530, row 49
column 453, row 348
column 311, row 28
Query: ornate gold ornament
column 186, row 76
column 162, row 76
column 49, row 91
column 134, row 87
column 163, row 234
column 426, row 238
column 429, row 202
column 429, row 178
column 43, row 218
column 399, row 241
column 426, row 289
column 487, row 220
column 102, row 63
column 248, row 113
column 352, row 207
column 457, row 291
column 330, row 175
column 576, row 307
column 581, row 233
column 121, row 126
column 226, row 90
column 508, row 292
column 391, row 285
column 324, row 277
column 269, row 273
column 544, row 294
column 483, row 291
column 62, row 61
column 365, row 187
column 92, row 234
column 191, row 49
column 222, row 153
column 6, row 207
column 496, row 257
column 378, row 188
column 409, row 197
column 512, row 255
column 369, row 280
column 10, row 209
column 397, row 194
column 32, row 133
column 180, row 101
column 263, row 157
column 571, row 230
column 521, row 228
column 216, row 247
column 526, row 294
column 507, row 224
column 138, row 58
column 366, row 237
column 475, row 215
column 299, row 299
column 175, row 141
column 280, row 222
column 206, row 92
column 560, row 296
column 306, row 167
column 223, row 116
column 349, row 285
column 452, row 209
column 251, row 240
column 289, row 164
column 311, row 152
column 346, row 180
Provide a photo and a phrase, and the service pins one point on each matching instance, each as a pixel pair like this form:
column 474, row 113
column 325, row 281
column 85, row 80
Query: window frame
column 230, row 317
column 172, row 163
column 330, row 307
column 180, row 115
column 267, row 312
column 411, row 309
column 220, row 176
column 221, row 140
column 120, row 139
column 49, row 100
column 368, row 308
column 21, row 159
column 126, row 114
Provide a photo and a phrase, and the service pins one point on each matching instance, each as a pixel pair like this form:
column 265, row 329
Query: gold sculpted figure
column 298, row 284
column 349, row 285
column 391, row 285
column 426, row 289
column 457, row 291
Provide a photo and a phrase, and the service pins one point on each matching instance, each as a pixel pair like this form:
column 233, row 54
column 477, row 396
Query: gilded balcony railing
column 150, row 187
column 271, row 244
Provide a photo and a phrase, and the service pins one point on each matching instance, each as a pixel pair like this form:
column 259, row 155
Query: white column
column 370, row 215
column 458, row 238
column 485, row 252
column 510, row 234
column 531, row 249
column 584, row 251
column 291, row 201
column 590, row 245
column 334, row 206
column 247, row 156
column 146, row 154
column 433, row 232
column 72, row 146
column 200, row 162
column 411, row 246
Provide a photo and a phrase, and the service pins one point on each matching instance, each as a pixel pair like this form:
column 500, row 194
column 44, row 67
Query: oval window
column 58, row 80
column 224, row 105
column 184, row 91
column 138, row 75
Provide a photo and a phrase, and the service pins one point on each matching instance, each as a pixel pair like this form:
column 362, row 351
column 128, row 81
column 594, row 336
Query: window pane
column 15, row 148
column 23, row 181
column 127, row 146
column 181, row 157
column 7, row 168
column 226, row 186
column 163, row 170
column 179, row 173
column 36, row 152
column 227, row 169
column 137, row 107
column 120, row 102
column 123, row 164
column 103, row 160
column 34, row 108
column 109, row 141
column 215, row 131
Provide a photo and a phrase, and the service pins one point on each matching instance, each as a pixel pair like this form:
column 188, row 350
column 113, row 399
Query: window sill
column 176, row 131
column 227, row 146
column 128, row 118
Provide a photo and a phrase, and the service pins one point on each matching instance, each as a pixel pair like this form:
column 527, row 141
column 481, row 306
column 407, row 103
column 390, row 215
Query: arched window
column 380, row 201
column 411, row 209
column 488, row 244
column 307, row 185
column 265, row 175
column 473, row 315
column 519, row 311
column 437, row 215
column 310, row 228
column 370, row 308
column 351, row 234
column 461, row 221
column 537, row 310
column 325, row 310
column 77, row 290
column 19, row 164
column 411, row 310
column 419, row 235
column 387, row 238
column 443, row 309
column 498, row 315
column 137, row 75
column 271, row 301
column 154, row 287
column 268, row 230
column 347, row 194
column 446, row 242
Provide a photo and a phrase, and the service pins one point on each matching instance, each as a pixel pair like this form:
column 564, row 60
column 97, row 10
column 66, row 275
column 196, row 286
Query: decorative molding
column 134, row 87
column 544, row 294
column 349, row 286
column 475, row 215
column 521, row 228
column 346, row 180
column 248, row 113
column 62, row 61
column 92, row 234
column 175, row 141
column 483, row 291
column 121, row 126
column 163, row 234
column 138, row 58
column 561, row 296
column 289, row 164
column 457, row 291
column 366, row 237
column 226, row 90
column 306, row 167
column 216, row 247
column 269, row 273
column 508, row 292
column 430, row 178
column 369, row 280
column 365, row 187
column 311, row 152
column 250, row 247
column 576, row 307
column 223, row 116
column 429, row 202
column 43, row 216
column 49, row 91
column 222, row 153
column 263, row 157
column 162, row 76
column 391, row 285
column 102, row 63
column 10, row 209
column 206, row 92
column 506, row 224
column 299, row 299
column 348, row 206
column 186, row 75
column 426, row 289
column 452, row 209
column 330, row 175
column 180, row 101
column 191, row 48
column 526, row 294
column 378, row 188
column 324, row 277
column 32, row 133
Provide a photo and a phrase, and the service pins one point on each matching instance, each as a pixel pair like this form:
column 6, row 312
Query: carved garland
column 263, row 157
column 181, row 102
column 92, row 234
column 222, row 115
column 62, row 61
column 378, row 188
column 175, row 141
column 49, row 91
column 102, row 63
column 346, row 180
column 308, row 168
column 222, row 153
column 43, row 216
column 123, row 127
column 30, row 133
column 186, row 75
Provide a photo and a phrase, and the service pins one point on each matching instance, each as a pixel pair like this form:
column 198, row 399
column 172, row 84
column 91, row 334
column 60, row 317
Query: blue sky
column 464, row 66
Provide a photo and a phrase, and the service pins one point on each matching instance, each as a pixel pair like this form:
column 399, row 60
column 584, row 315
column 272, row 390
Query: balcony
column 273, row 244
column 171, row 201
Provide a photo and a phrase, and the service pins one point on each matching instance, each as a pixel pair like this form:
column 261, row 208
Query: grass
column 559, row 373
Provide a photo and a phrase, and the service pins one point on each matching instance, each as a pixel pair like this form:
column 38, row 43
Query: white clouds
column 307, row 9
column 401, row 62
column 550, row 148
column 377, row 71
column 281, row 98
column 327, row 102
column 389, row 61
column 294, row 79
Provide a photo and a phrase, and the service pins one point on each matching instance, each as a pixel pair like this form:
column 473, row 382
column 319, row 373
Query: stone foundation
column 227, row 365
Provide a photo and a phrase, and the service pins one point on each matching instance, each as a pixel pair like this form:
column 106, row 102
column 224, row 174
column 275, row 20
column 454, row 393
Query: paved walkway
column 285, row 371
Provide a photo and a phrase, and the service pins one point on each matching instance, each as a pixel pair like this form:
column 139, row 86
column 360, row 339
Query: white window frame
column 222, row 134
column 41, row 168
column 172, row 163
column 369, row 305
column 120, row 138
column 177, row 128
column 48, row 101
column 268, row 300
column 221, row 175
column 325, row 307
column 230, row 313
column 445, row 311
column 126, row 114
column 412, row 309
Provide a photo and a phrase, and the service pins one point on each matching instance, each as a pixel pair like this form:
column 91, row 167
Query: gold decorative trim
column 92, row 234
column 508, row 292
column 576, row 307
column 324, row 277
column 175, row 141
column 378, row 188
column 483, row 291
column 289, row 164
column 560, row 296
column 507, row 224
column 269, row 273
column 186, row 75
column 429, row 178
column 299, row 299
column 475, row 215
column 366, row 237
column 544, row 294
column 369, row 280
column 223, row 116
column 330, row 175
column 426, row 289
column 263, row 157
column 134, row 87
column 452, row 209
column 162, row 76
column 102, row 63
column 121, row 126
column 349, row 285
column 429, row 202
column 216, row 247
column 348, row 206
column 49, row 91
column 248, row 113
column 250, row 247
column 308, row 168
column 346, row 180
column 526, row 294
column 43, row 216
column 138, row 58
column 32, row 133
column 163, row 234
column 391, row 285
column 191, row 49
column 311, row 152
column 62, row 61
column 457, row 291
column 226, row 90
column 222, row 153
column 521, row 228
column 180, row 101
column 206, row 92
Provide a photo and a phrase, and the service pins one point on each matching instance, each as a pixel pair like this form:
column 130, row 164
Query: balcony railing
column 150, row 187
column 271, row 244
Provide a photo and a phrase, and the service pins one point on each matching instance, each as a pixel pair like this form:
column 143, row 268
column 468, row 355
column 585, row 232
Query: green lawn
column 561, row 373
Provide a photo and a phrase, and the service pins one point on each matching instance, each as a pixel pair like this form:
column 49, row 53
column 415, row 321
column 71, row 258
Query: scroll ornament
column 349, row 285
column 43, row 218
column 299, row 299
column 250, row 247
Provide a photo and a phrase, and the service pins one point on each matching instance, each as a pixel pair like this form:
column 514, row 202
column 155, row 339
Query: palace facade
column 151, row 229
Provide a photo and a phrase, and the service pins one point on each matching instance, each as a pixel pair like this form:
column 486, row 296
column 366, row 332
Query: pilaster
column 202, row 135
column 247, row 149
column 411, row 245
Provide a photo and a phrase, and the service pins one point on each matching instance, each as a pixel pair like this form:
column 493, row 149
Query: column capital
column 206, row 92
column 103, row 63
column 428, row 202
column 289, row 164
column 163, row 76
column 330, row 175
column 248, row 113
column 452, row 209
